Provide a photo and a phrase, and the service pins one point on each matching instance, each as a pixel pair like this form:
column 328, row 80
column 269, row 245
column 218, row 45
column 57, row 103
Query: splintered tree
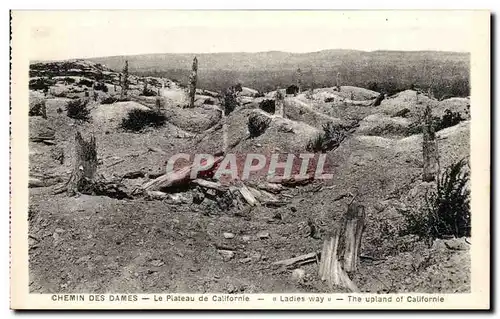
column 429, row 147
column 338, row 81
column 193, row 78
column 299, row 80
column 124, row 81
column 280, row 103
column 85, row 166
column 341, row 249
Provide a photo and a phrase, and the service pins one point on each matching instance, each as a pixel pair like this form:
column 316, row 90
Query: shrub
column 447, row 208
column 402, row 113
column 78, row 109
column 329, row 139
column 41, row 84
column 292, row 89
column 268, row 106
column 258, row 124
column 373, row 86
column 109, row 100
column 101, row 87
column 230, row 98
column 138, row 120
column 449, row 119
column 147, row 91
column 68, row 80
column 38, row 108
column 85, row 82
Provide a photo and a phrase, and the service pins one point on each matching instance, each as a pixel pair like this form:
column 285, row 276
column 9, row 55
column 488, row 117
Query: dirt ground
column 98, row 244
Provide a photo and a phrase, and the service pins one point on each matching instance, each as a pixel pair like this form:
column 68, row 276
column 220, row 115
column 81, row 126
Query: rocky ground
column 98, row 244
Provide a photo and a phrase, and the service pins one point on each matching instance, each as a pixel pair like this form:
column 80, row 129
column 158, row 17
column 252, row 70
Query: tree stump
column 193, row 78
column 354, row 226
column 341, row 249
column 429, row 148
column 280, row 103
column 85, row 166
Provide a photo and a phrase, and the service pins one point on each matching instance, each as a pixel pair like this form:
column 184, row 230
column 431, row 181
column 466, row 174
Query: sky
column 56, row 35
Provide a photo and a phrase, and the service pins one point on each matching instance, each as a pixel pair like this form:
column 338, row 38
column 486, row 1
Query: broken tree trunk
column 193, row 78
column 212, row 185
column 354, row 225
column 280, row 103
column 85, row 165
column 247, row 195
column 176, row 177
column 299, row 260
column 378, row 100
column 341, row 249
column 429, row 148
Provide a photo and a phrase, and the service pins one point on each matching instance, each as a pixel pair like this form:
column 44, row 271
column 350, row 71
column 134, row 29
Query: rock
column 246, row 238
column 245, row 260
column 228, row 235
column 59, row 230
column 157, row 263
column 298, row 274
column 226, row 254
column 256, row 256
column 263, row 235
column 380, row 206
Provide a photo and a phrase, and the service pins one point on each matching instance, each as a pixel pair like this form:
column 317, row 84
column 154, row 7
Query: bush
column 329, row 139
column 447, row 208
column 86, row 83
column 268, row 106
column 138, row 120
column 68, row 80
column 230, row 98
column 109, row 100
column 41, row 84
column 148, row 92
column 292, row 89
column 38, row 108
column 449, row 119
column 78, row 109
column 101, row 87
column 258, row 124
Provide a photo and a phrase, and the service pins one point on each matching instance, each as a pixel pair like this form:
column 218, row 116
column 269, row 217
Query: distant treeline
column 383, row 71
column 390, row 80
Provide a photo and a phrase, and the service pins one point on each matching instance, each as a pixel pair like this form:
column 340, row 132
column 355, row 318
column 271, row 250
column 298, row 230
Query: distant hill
column 391, row 71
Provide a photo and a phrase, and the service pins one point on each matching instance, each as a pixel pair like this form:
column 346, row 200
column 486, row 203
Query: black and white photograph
column 258, row 152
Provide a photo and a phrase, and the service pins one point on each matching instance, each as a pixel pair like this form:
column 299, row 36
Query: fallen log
column 270, row 187
column 35, row 182
column 302, row 259
column 176, row 177
column 247, row 195
column 44, row 139
column 209, row 184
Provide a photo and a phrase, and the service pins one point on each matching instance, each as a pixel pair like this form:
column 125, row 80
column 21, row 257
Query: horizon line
column 243, row 52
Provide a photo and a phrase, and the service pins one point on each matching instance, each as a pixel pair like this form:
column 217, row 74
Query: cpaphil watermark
column 273, row 167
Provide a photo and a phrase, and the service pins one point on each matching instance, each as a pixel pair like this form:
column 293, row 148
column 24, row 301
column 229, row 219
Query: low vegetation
column 329, row 139
column 138, row 120
column 38, row 109
column 447, row 207
column 258, row 124
column 42, row 84
column 78, row 109
column 101, row 87
column 449, row 119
